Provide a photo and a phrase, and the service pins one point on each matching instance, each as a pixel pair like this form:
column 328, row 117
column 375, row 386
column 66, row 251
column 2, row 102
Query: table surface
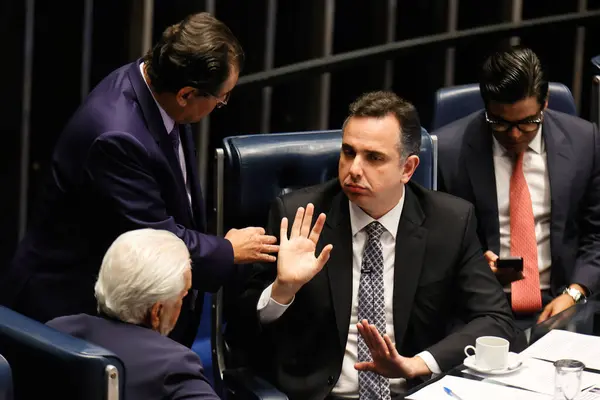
column 581, row 318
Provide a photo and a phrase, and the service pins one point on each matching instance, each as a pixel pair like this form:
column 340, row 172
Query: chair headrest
column 264, row 166
column 456, row 102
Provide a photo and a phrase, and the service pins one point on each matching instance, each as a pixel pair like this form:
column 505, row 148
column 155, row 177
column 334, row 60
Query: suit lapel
column 558, row 160
column 411, row 241
column 480, row 169
column 338, row 232
column 156, row 127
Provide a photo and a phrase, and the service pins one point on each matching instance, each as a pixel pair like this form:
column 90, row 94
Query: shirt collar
column 537, row 144
column 167, row 120
column 390, row 221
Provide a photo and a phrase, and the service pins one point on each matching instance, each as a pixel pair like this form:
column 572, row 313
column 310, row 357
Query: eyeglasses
column 525, row 126
column 222, row 100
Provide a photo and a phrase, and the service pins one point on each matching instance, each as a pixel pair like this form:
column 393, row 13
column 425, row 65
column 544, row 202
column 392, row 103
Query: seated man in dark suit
column 405, row 258
column 533, row 175
column 143, row 279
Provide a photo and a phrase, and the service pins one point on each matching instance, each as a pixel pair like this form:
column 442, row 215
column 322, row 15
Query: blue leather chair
column 596, row 63
column 251, row 172
column 456, row 102
column 47, row 363
column 595, row 100
column 6, row 386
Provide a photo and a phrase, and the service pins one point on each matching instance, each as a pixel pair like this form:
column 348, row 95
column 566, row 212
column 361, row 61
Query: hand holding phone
column 515, row 263
column 509, row 269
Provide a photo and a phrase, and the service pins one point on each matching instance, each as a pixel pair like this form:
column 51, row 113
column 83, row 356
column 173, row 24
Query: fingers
column 378, row 341
column 267, row 239
column 317, row 229
column 307, row 221
column 269, row 248
column 265, row 258
column 363, row 330
column 390, row 346
column 365, row 366
column 283, row 228
column 297, row 225
column 490, row 256
column 491, row 259
column 545, row 314
column 324, row 257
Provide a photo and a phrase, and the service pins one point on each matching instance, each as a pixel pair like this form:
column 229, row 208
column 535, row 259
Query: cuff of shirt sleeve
column 268, row 309
column 431, row 363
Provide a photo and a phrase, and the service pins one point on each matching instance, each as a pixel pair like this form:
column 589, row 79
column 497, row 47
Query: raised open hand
column 296, row 261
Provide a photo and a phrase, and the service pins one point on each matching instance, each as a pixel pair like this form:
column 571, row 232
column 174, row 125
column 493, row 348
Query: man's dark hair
column 200, row 52
column 512, row 75
column 380, row 104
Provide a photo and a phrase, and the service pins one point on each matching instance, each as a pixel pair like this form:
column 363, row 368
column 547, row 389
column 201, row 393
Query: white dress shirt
column 535, row 169
column 347, row 385
column 169, row 125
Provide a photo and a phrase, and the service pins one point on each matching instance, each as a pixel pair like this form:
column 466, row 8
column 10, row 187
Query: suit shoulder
column 437, row 203
column 455, row 131
column 316, row 194
column 568, row 121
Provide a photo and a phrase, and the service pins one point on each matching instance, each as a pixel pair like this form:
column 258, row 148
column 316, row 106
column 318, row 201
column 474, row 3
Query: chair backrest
column 6, row 385
column 47, row 363
column 596, row 63
column 595, row 100
column 253, row 170
column 456, row 102
column 258, row 168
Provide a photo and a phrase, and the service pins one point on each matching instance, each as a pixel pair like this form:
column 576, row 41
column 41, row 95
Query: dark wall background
column 300, row 28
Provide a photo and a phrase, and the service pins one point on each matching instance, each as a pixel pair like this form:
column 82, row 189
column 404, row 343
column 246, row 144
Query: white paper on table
column 592, row 393
column 558, row 345
column 469, row 389
column 536, row 375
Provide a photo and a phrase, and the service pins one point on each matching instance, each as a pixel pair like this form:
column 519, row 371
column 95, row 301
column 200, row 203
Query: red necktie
column 526, row 295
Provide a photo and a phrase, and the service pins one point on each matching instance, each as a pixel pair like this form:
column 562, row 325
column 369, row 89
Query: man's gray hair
column 140, row 268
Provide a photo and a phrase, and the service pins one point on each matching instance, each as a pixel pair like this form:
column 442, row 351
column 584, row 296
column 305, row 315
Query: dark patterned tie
column 371, row 306
column 175, row 140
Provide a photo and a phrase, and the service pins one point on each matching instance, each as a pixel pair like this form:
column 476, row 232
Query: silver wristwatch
column 575, row 294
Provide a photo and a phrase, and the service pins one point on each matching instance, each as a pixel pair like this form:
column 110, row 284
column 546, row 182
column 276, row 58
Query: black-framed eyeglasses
column 525, row 126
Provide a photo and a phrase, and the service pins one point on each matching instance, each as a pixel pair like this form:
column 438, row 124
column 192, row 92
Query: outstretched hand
column 387, row 361
column 296, row 261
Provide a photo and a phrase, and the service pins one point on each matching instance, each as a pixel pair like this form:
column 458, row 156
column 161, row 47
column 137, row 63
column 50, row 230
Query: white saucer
column 514, row 364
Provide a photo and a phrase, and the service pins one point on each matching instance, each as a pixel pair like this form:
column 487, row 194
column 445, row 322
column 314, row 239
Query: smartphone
column 515, row 263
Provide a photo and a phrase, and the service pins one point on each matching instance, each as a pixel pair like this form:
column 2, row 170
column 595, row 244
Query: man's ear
column 183, row 95
column 411, row 164
column 155, row 314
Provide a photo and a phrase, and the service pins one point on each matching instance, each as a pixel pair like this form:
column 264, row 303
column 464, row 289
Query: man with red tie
column 533, row 175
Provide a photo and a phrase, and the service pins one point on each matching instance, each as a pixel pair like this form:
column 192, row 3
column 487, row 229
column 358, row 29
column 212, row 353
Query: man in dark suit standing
column 142, row 282
column 404, row 258
column 126, row 160
column 533, row 175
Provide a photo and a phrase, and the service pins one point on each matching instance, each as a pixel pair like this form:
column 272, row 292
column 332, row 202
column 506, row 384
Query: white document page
column 558, row 345
column 592, row 393
column 468, row 389
column 536, row 375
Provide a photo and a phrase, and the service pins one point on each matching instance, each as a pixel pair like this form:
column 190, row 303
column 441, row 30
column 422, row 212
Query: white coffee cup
column 491, row 352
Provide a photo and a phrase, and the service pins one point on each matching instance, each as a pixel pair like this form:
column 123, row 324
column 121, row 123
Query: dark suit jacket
column 113, row 170
column 156, row 367
column 466, row 170
column 440, row 275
